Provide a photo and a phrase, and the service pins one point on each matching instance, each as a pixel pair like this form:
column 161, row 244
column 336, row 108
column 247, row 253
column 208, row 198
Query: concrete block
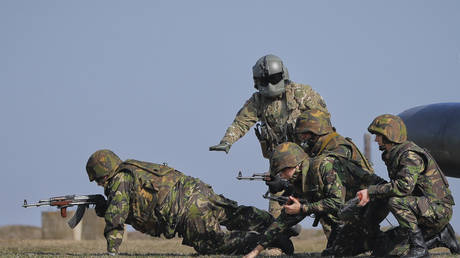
column 91, row 227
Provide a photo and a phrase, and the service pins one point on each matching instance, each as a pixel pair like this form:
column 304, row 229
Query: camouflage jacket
column 413, row 172
column 279, row 115
column 134, row 194
column 320, row 185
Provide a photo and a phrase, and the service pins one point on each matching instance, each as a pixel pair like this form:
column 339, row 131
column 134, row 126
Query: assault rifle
column 284, row 199
column 63, row 202
column 349, row 209
column 255, row 176
column 275, row 183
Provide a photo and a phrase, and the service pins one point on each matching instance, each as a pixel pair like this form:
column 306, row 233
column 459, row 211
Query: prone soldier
column 159, row 200
column 276, row 106
column 418, row 193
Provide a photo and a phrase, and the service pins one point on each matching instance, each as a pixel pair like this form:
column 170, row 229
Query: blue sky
column 160, row 81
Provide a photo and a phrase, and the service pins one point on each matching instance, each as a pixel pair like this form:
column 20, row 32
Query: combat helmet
column 102, row 163
column 270, row 76
column 390, row 126
column 315, row 121
column 286, row 155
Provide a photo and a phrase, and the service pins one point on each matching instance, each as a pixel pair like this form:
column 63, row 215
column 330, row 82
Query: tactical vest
column 431, row 182
column 312, row 180
column 311, row 187
column 278, row 117
column 334, row 142
column 353, row 177
column 152, row 183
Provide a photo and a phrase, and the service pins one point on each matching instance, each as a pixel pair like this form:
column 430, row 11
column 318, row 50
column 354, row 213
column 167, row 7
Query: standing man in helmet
column 315, row 134
column 418, row 193
column 276, row 106
column 159, row 200
column 318, row 181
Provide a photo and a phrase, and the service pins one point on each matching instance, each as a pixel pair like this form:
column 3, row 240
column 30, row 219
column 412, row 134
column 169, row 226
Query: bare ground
column 24, row 241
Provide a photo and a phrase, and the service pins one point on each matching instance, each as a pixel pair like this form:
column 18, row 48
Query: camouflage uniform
column 278, row 115
column 321, row 185
column 323, row 182
column 355, row 171
column 418, row 193
column 156, row 199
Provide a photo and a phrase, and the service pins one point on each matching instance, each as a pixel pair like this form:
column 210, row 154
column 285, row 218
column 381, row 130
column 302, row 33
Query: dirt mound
column 20, row 232
column 309, row 234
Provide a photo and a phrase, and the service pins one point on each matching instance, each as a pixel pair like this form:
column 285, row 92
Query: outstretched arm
column 117, row 210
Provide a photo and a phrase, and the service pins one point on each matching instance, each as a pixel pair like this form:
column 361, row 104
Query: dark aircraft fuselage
column 436, row 127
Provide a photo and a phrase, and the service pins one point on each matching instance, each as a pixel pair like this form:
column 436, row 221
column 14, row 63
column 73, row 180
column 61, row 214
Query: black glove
column 277, row 184
column 223, row 146
column 101, row 206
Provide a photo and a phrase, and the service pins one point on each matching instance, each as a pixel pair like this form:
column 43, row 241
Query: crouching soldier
column 159, row 200
column 316, row 180
column 417, row 195
column 315, row 134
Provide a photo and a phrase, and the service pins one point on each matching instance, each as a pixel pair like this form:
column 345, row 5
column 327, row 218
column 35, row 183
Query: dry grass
column 24, row 243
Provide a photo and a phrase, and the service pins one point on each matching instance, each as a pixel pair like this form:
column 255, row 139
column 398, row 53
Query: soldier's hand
column 223, row 146
column 293, row 206
column 101, row 206
column 277, row 184
column 363, row 196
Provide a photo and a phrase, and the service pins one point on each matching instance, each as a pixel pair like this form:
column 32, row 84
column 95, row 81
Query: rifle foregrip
column 64, row 212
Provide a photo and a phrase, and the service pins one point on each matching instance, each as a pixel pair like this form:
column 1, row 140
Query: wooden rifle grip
column 64, row 212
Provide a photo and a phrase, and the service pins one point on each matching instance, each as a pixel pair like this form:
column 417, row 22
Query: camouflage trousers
column 280, row 225
column 197, row 214
column 360, row 233
column 413, row 212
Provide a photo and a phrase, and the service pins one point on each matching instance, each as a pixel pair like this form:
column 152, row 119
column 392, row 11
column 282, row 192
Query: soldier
column 318, row 181
column 315, row 134
column 418, row 194
column 157, row 199
column 276, row 105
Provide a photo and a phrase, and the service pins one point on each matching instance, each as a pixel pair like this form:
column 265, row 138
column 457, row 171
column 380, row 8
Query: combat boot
column 446, row 238
column 418, row 247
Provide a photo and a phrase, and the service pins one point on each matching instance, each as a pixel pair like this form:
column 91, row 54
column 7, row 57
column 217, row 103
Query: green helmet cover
column 102, row 163
column 286, row 155
column 315, row 121
column 270, row 76
column 390, row 126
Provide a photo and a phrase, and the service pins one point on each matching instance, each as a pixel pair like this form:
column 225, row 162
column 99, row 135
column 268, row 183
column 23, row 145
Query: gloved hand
column 101, row 206
column 223, row 146
column 277, row 184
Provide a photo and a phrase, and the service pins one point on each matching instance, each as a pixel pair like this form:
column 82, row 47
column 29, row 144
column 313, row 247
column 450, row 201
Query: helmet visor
column 272, row 79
